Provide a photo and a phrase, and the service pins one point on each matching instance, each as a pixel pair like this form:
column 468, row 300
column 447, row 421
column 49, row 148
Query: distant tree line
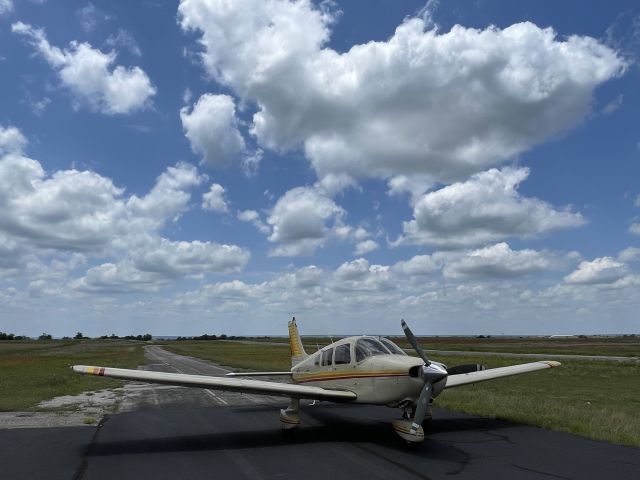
column 145, row 338
column 11, row 336
column 212, row 337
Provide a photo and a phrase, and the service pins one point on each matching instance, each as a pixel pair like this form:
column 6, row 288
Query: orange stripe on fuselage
column 319, row 377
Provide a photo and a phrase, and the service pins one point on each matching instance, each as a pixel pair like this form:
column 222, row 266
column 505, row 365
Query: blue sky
column 207, row 166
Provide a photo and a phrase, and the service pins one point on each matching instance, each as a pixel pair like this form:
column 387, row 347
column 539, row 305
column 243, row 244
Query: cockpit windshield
column 392, row 347
column 369, row 347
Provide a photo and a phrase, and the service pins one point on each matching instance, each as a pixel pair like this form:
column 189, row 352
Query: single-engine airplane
column 361, row 369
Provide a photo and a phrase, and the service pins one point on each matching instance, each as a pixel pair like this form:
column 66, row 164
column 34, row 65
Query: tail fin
column 297, row 350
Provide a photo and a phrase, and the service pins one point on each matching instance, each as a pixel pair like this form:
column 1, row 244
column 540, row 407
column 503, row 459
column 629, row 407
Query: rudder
column 295, row 343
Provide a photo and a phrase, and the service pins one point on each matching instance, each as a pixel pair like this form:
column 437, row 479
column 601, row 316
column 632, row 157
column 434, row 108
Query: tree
column 78, row 336
column 45, row 336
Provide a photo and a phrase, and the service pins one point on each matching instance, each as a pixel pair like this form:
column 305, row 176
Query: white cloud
column 212, row 129
column 11, row 140
column 365, row 246
column 485, row 208
column 91, row 76
column 629, row 254
column 444, row 105
column 499, row 261
column 635, row 228
column 299, row 221
column 116, row 278
column 82, row 211
column 360, row 275
column 604, row 270
column 215, row 200
column 6, row 6
column 168, row 198
column 176, row 259
column 71, row 210
column 253, row 217
column 419, row 265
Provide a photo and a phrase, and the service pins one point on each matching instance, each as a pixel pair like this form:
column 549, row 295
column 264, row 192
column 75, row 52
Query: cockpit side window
column 368, row 347
column 326, row 357
column 392, row 347
column 342, row 355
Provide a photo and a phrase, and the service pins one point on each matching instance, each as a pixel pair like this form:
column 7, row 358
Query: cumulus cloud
column 444, row 105
column 11, row 140
column 419, row 265
column 500, row 261
column 168, row 198
column 116, row 278
column 629, row 254
column 215, row 199
column 359, row 274
column 365, row 246
column 212, row 129
column 90, row 75
column 634, row 228
column 83, row 212
column 485, row 208
column 301, row 221
column 176, row 259
column 604, row 270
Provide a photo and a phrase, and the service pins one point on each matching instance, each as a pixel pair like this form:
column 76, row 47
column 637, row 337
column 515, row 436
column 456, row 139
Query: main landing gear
column 290, row 416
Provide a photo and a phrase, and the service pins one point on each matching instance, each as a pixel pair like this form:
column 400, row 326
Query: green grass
column 594, row 399
column 598, row 400
column 32, row 371
column 247, row 356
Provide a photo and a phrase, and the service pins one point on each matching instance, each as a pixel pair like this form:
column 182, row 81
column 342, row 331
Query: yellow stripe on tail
column 295, row 343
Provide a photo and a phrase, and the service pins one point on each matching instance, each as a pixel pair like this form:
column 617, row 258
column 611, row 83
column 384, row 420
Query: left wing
column 220, row 383
column 492, row 373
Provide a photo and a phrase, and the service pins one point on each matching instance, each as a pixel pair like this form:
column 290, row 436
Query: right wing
column 493, row 373
column 258, row 374
column 220, row 383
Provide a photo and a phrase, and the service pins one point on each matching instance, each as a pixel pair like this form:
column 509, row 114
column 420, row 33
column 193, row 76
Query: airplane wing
column 258, row 374
column 220, row 383
column 493, row 373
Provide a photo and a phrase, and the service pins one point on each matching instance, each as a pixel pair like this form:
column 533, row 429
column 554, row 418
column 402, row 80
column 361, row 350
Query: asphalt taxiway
column 185, row 433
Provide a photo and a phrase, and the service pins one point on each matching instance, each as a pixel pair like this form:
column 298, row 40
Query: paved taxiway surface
column 175, row 433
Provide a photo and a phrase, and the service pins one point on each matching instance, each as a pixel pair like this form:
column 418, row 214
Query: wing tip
column 88, row 370
column 552, row 363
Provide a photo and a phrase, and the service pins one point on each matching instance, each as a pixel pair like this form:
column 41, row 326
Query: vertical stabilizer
column 297, row 350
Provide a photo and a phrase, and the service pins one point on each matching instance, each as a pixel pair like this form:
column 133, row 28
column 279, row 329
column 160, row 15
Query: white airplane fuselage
column 387, row 379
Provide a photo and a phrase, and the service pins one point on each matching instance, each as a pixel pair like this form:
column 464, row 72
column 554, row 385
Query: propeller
column 431, row 373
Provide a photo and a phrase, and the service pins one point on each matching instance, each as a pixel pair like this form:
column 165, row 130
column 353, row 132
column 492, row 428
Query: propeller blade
column 414, row 342
column 421, row 408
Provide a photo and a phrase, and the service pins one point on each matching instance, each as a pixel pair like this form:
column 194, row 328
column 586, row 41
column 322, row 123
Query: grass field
column 32, row 371
column 628, row 346
column 599, row 400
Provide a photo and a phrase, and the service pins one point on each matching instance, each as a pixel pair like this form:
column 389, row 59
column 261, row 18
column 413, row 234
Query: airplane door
column 343, row 367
